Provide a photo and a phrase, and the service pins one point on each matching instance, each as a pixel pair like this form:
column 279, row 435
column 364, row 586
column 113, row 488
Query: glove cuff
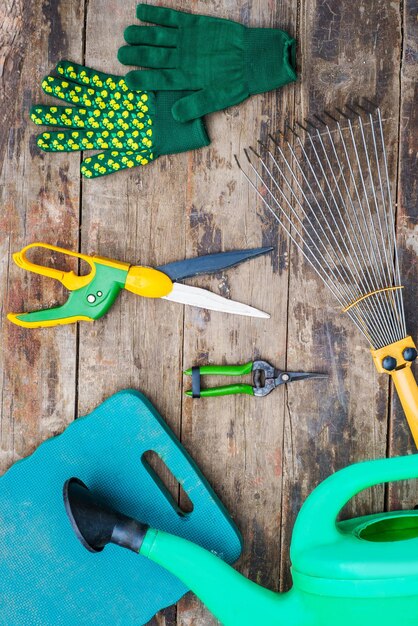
column 270, row 59
column 174, row 136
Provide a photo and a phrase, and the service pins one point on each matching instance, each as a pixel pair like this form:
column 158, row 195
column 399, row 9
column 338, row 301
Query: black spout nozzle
column 96, row 524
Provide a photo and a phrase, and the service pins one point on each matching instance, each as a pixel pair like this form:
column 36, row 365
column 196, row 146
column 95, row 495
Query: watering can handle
column 316, row 523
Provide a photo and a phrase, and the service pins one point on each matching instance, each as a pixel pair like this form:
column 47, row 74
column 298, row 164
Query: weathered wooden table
column 262, row 456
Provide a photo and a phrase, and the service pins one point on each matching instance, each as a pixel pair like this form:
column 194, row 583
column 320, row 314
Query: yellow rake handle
column 407, row 389
column 402, row 376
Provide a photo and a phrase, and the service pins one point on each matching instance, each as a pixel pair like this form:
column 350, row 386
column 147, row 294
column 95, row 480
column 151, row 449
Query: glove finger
column 213, row 98
column 163, row 16
column 101, row 100
column 67, row 117
column 90, row 119
column 68, row 91
column 156, row 36
column 148, row 56
column 114, row 160
column 73, row 140
column 152, row 80
column 107, row 88
column 86, row 75
column 119, row 125
column 64, row 141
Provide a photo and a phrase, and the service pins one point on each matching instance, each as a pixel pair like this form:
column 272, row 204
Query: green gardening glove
column 131, row 128
column 222, row 62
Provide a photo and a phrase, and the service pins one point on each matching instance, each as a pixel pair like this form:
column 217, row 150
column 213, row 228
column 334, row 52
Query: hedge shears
column 265, row 378
column 92, row 295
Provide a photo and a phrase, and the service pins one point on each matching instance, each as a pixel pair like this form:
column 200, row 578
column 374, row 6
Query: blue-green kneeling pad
column 47, row 578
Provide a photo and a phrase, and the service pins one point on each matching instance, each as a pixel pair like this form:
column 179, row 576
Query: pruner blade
column 290, row 377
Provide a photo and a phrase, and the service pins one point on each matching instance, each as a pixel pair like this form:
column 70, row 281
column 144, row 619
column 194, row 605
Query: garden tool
column 331, row 194
column 220, row 61
column 46, row 577
column 265, row 378
column 93, row 294
column 129, row 127
column 359, row 571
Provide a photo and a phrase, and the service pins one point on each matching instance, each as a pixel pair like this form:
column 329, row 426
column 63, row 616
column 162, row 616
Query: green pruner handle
column 224, row 370
column 225, row 390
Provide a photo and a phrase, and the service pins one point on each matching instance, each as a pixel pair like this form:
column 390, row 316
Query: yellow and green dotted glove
column 130, row 127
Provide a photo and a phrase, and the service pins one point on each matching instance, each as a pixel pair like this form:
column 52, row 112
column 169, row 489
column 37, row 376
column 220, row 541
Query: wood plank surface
column 348, row 51
column 39, row 200
column 238, row 440
column 405, row 495
column 262, row 456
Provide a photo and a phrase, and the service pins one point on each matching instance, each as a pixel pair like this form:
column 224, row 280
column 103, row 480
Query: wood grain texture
column 263, row 456
column 136, row 216
column 348, row 51
column 39, row 201
column 238, row 441
column 404, row 495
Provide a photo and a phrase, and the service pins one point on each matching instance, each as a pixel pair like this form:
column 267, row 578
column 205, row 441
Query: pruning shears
column 265, row 378
column 92, row 295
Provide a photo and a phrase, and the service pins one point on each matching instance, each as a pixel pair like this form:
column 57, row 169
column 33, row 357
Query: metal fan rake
column 329, row 189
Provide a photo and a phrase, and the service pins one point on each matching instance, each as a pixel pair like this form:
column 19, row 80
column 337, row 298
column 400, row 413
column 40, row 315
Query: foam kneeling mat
column 47, row 577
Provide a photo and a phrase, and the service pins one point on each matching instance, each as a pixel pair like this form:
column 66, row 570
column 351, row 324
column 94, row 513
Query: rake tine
column 292, row 130
column 263, row 145
column 372, row 104
column 347, row 117
column 355, row 113
column 254, row 152
column 319, row 119
column 246, row 154
column 334, row 119
column 276, row 143
column 302, row 127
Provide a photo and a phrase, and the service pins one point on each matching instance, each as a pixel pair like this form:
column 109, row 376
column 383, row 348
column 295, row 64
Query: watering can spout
column 231, row 597
column 357, row 571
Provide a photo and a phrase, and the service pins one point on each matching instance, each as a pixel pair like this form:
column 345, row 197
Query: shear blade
column 210, row 263
column 195, row 296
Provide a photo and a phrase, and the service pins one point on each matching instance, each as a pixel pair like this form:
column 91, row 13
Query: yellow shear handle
column 70, row 280
column 148, row 282
column 407, row 389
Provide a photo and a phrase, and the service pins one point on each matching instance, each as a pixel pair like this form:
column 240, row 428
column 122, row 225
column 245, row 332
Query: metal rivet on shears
column 99, row 294
column 91, row 298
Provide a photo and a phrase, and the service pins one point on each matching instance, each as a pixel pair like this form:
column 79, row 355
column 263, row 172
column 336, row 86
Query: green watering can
column 356, row 572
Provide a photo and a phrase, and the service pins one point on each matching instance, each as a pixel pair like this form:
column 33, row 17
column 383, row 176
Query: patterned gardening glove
column 222, row 62
column 130, row 127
